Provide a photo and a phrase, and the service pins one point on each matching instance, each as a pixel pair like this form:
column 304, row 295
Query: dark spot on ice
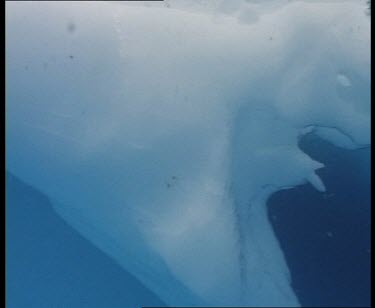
column 71, row 56
column 71, row 27
column 171, row 182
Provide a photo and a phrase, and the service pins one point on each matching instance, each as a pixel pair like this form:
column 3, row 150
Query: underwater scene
column 188, row 153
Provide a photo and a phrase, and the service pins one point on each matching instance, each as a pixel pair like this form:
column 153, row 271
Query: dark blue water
column 48, row 264
column 326, row 237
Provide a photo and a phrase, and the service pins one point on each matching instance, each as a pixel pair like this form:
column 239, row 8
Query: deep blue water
column 326, row 237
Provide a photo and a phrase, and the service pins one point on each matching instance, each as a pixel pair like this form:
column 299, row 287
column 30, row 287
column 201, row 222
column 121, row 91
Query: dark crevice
column 313, row 128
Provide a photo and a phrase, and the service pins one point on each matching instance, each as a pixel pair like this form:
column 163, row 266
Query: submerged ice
column 159, row 131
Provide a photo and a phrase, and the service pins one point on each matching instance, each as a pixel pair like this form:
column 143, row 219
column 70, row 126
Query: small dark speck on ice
column 169, row 184
column 71, row 27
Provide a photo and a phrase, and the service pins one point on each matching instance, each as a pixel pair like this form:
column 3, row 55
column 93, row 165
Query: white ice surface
column 159, row 131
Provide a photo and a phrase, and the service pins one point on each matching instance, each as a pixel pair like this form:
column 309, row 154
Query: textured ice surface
column 159, row 131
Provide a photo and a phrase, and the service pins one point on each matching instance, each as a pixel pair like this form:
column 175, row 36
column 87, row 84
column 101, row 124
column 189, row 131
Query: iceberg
column 159, row 130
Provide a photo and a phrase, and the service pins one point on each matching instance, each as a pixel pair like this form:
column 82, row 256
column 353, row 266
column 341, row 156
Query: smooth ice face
column 159, row 131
